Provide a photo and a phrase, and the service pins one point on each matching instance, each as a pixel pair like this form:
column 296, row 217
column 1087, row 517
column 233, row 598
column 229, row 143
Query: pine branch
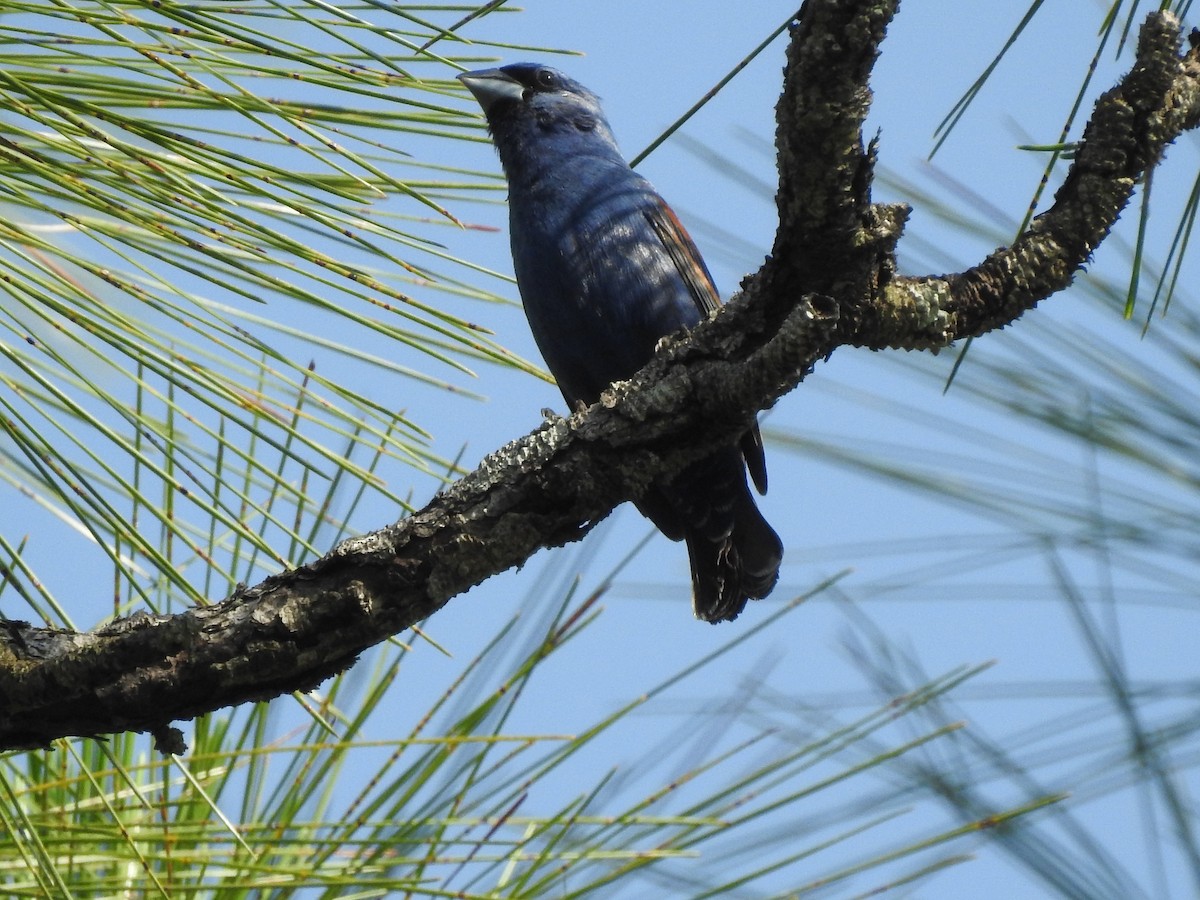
column 830, row 281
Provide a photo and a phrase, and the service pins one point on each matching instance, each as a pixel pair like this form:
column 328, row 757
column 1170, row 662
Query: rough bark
column 829, row 281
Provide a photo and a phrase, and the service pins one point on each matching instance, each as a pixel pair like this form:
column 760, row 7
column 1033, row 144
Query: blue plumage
column 605, row 269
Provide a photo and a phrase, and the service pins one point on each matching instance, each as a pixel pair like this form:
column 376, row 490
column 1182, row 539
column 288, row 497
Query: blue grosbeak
column 605, row 270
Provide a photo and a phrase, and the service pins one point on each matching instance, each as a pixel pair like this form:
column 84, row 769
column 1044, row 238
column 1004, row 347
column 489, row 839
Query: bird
column 605, row 270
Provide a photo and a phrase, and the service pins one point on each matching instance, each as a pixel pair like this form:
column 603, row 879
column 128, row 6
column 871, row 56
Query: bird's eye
column 545, row 79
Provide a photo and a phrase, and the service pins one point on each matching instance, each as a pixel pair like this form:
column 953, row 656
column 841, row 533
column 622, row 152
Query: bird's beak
column 490, row 86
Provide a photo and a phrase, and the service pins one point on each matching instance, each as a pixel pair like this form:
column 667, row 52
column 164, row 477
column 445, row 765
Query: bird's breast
column 598, row 286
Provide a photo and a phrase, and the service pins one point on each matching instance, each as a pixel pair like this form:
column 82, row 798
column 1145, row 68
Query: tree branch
column 1126, row 136
column 828, row 282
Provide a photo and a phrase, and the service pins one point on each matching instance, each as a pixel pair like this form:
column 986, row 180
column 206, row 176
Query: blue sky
column 916, row 561
column 948, row 584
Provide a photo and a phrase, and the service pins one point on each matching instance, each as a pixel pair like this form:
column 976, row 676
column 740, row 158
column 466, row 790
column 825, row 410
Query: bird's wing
column 690, row 265
column 688, row 262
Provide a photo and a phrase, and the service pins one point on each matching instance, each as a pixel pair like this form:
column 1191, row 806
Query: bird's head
column 532, row 104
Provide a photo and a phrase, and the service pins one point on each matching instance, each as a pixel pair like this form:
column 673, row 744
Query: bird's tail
column 735, row 554
column 737, row 564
